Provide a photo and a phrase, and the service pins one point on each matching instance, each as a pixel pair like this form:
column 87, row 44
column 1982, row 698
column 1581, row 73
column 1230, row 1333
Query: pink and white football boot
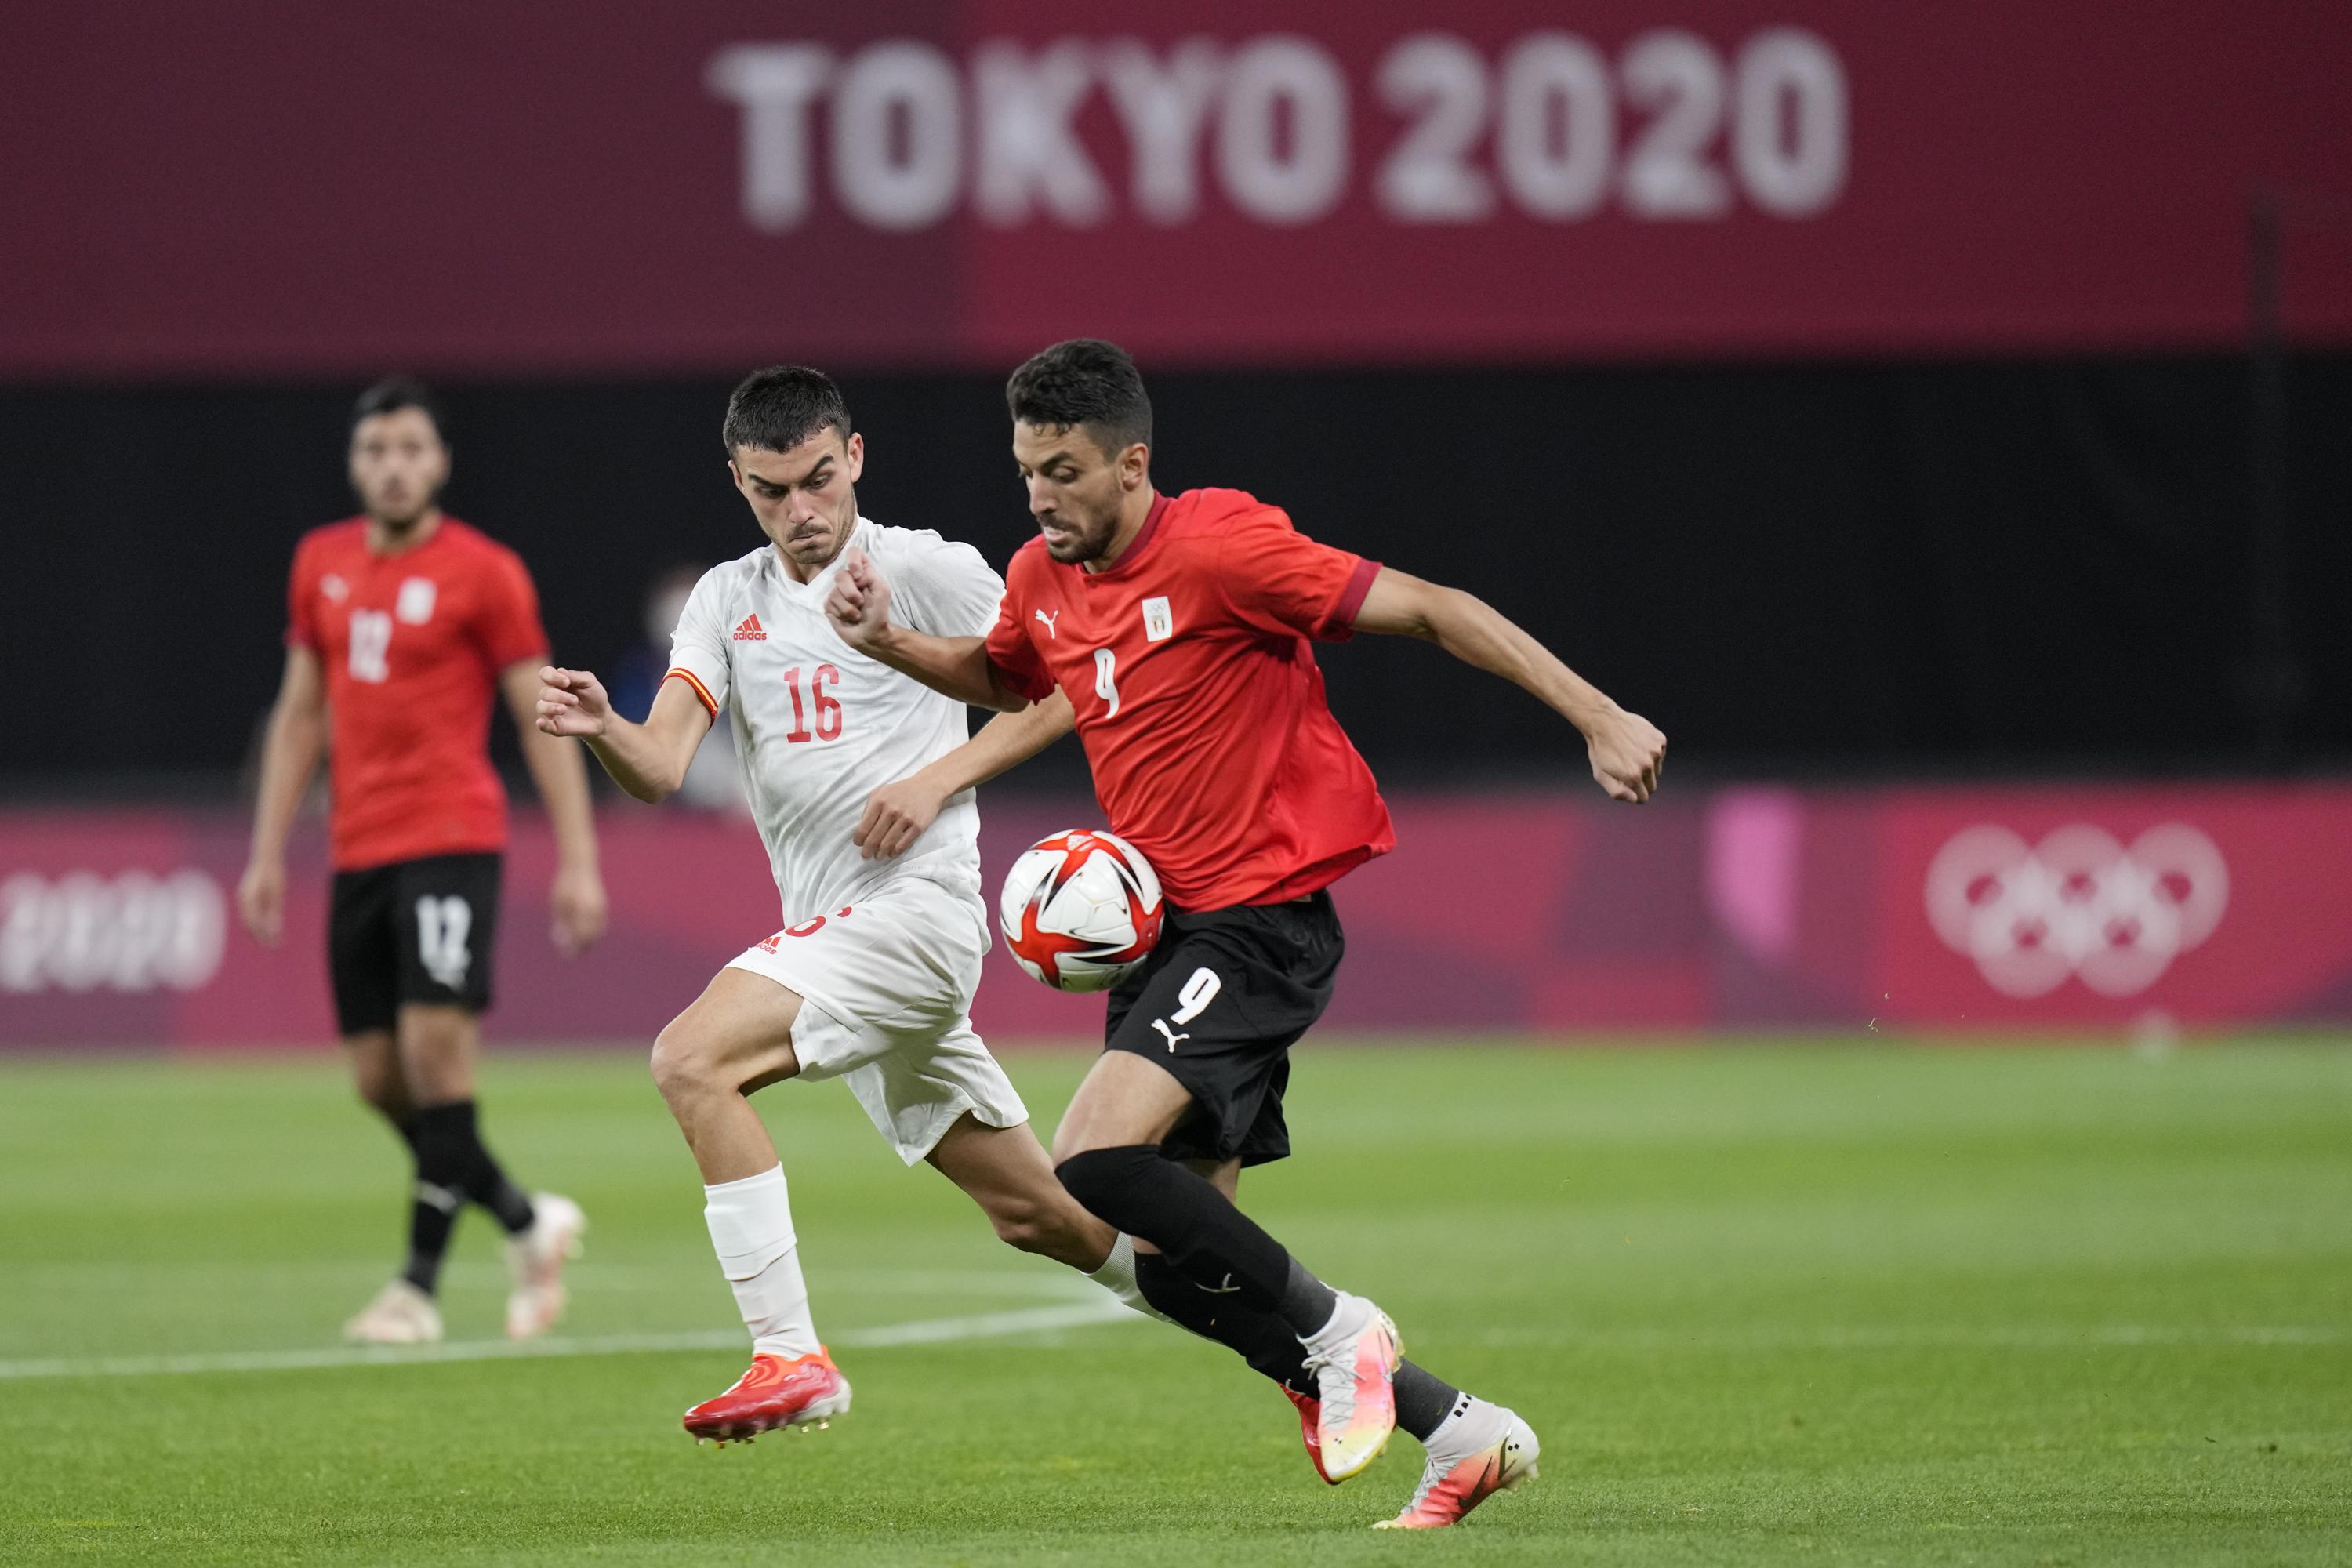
column 1354, row 1360
column 1485, row 1451
column 536, row 1260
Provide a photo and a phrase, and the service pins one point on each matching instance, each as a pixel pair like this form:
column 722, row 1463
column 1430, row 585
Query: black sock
column 1423, row 1400
column 454, row 1130
column 438, row 1194
column 1306, row 1299
column 1209, row 1242
column 1259, row 1337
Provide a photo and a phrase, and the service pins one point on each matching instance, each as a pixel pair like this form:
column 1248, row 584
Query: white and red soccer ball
column 1080, row 910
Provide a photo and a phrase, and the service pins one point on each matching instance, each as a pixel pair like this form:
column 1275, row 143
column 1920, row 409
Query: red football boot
column 803, row 1390
column 1310, row 1421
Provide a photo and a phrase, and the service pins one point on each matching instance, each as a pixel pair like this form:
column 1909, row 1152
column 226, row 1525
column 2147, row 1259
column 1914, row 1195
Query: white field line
column 928, row 1332
column 49, row 1279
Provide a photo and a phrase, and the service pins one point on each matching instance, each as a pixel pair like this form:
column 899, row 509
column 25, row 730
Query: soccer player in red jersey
column 403, row 627
column 1181, row 629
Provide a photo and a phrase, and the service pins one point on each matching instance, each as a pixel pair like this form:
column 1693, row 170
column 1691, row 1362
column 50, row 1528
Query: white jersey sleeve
column 702, row 650
column 944, row 586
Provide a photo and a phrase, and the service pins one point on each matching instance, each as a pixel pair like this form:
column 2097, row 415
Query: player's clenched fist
column 572, row 702
column 859, row 604
column 1628, row 754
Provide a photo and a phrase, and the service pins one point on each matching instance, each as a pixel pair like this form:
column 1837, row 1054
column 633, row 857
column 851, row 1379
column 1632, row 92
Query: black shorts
column 1219, row 1004
column 415, row 931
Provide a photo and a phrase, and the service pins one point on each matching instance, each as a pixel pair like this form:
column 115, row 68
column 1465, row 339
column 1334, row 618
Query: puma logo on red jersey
column 750, row 630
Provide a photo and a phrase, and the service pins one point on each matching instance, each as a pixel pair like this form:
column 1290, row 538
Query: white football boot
column 536, row 1258
column 400, row 1314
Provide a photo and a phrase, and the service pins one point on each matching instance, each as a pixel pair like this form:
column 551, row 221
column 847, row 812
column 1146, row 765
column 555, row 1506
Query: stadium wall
column 1797, row 570
column 1913, row 911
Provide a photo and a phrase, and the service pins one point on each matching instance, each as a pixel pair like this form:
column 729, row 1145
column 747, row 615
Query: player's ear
column 854, row 451
column 1134, row 466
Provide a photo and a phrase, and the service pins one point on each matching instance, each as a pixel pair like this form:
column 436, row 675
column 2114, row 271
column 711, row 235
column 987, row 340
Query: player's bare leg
column 1004, row 1170
column 735, row 1039
column 374, row 1056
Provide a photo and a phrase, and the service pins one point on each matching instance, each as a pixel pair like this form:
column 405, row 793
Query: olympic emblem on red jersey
column 2078, row 903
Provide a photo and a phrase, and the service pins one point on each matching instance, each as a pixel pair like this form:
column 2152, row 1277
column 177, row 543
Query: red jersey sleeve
column 1277, row 579
column 301, row 601
column 1009, row 647
column 508, row 626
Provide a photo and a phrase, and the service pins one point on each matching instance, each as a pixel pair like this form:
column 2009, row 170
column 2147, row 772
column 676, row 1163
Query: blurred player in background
column 404, row 628
column 1179, row 630
column 872, row 976
column 714, row 780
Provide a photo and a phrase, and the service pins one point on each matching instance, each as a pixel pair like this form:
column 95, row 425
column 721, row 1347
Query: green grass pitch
column 1834, row 1303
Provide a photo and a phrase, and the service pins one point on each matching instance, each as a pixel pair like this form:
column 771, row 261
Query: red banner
column 273, row 187
column 1945, row 910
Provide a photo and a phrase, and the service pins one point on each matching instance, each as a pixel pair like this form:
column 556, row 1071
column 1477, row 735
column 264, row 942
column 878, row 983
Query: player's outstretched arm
column 1628, row 751
column 859, row 608
column 897, row 813
column 290, row 753
column 647, row 760
column 577, row 903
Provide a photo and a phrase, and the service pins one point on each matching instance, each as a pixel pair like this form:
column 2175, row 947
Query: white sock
column 751, row 1230
column 1117, row 1275
column 1349, row 1315
column 1472, row 1425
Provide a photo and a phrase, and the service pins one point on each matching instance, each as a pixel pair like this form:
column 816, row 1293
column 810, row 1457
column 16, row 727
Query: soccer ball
column 1080, row 909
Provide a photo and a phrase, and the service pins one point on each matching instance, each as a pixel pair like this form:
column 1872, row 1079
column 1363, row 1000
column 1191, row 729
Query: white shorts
column 886, row 995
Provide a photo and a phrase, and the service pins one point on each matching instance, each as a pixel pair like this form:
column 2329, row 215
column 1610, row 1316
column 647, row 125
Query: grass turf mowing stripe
column 927, row 1331
column 1867, row 1337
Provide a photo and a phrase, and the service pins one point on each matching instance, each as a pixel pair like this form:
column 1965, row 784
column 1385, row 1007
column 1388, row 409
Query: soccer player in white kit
column 871, row 977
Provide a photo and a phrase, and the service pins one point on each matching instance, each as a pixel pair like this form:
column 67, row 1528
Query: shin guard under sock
column 1423, row 1400
column 1215, row 1245
column 438, row 1194
column 451, row 1134
column 1257, row 1336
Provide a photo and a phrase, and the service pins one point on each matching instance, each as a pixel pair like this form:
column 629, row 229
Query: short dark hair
column 778, row 408
column 1083, row 382
column 392, row 395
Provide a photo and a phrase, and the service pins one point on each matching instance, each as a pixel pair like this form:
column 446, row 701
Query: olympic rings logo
column 2077, row 903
